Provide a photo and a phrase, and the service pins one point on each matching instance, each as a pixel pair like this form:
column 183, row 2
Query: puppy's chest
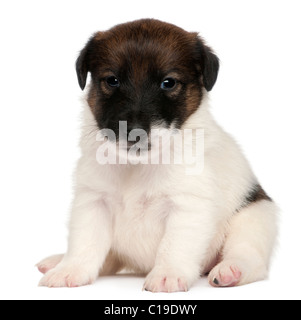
column 139, row 225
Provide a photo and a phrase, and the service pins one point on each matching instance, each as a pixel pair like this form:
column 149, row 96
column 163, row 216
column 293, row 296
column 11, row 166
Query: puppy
column 159, row 219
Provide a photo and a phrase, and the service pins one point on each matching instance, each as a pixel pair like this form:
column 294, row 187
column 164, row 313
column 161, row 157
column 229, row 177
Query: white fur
column 157, row 220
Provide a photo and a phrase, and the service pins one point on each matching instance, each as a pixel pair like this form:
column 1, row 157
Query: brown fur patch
column 193, row 99
column 92, row 99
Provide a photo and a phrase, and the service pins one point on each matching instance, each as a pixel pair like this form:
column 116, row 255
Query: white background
column 256, row 99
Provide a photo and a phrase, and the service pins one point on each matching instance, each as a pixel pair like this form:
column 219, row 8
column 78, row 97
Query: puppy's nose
column 125, row 128
column 136, row 133
column 129, row 129
column 133, row 126
column 136, row 126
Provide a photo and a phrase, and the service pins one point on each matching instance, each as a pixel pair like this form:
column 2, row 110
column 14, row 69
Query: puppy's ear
column 83, row 61
column 82, row 66
column 209, row 64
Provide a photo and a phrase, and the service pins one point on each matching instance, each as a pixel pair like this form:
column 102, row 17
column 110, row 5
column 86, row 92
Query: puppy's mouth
column 134, row 139
column 138, row 142
column 141, row 149
column 132, row 146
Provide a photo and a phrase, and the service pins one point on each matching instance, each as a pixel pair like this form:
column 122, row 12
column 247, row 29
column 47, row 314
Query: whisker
column 94, row 130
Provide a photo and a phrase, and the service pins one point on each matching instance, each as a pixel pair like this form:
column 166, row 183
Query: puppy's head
column 148, row 73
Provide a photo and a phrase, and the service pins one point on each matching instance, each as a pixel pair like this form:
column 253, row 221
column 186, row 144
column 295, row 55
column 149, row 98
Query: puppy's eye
column 112, row 82
column 168, row 84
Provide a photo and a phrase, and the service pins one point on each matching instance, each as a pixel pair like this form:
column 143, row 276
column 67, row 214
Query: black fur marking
column 255, row 194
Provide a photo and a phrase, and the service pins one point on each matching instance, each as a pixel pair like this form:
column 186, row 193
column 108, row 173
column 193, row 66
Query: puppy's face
column 148, row 73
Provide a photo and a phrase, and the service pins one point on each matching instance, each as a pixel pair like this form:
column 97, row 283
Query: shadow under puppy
column 157, row 219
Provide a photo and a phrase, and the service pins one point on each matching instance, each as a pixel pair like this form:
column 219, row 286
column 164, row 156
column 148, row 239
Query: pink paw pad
column 43, row 269
column 226, row 277
column 49, row 263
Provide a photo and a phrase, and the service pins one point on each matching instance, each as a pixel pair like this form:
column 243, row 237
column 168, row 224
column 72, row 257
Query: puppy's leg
column 89, row 243
column 111, row 266
column 248, row 247
column 188, row 234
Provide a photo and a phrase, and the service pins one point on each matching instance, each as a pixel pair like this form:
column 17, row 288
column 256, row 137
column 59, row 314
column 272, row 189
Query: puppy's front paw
column 166, row 281
column 49, row 263
column 68, row 275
